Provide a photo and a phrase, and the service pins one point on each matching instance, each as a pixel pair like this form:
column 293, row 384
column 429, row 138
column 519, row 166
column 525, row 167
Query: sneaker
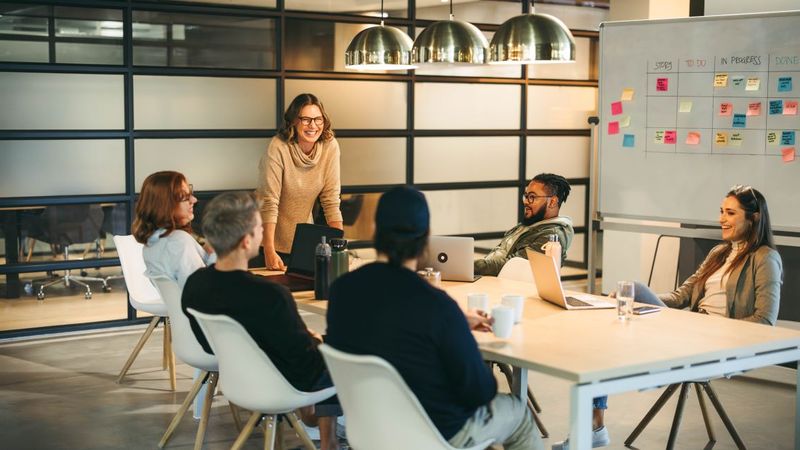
column 600, row 438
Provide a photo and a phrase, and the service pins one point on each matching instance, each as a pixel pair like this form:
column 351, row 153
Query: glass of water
column 624, row 300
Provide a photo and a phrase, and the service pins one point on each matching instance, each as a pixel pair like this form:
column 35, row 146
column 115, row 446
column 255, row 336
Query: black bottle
column 322, row 268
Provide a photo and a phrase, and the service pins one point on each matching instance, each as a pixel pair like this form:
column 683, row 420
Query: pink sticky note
column 788, row 154
column 790, row 107
column 754, row 109
column 725, row 109
column 613, row 127
column 670, row 136
column 693, row 138
column 662, row 84
column 616, row 108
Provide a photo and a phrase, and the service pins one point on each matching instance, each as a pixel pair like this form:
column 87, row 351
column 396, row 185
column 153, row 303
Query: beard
column 538, row 216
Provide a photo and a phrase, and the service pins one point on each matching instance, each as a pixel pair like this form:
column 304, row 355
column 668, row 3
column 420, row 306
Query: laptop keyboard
column 572, row 301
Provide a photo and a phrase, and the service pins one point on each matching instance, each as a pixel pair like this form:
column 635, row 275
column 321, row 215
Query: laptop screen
column 306, row 238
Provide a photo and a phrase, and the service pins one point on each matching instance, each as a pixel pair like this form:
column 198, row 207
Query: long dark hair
column 292, row 114
column 160, row 195
column 759, row 231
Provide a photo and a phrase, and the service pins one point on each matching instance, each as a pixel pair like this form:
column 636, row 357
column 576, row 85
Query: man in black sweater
column 232, row 225
column 386, row 309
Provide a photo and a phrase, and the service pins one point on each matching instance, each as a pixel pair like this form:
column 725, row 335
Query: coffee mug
column 503, row 321
column 478, row 300
column 515, row 302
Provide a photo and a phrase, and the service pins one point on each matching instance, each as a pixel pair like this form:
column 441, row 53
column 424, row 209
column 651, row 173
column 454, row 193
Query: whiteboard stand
column 590, row 233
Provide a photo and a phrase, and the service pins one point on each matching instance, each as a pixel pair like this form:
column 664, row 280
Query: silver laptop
column 548, row 283
column 452, row 256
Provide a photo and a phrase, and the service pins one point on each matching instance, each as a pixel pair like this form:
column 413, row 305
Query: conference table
column 601, row 355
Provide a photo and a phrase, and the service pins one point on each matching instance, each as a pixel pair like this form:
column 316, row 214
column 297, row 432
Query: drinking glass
column 624, row 300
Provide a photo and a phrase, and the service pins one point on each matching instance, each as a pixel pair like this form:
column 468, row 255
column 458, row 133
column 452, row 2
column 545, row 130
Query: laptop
column 299, row 274
column 452, row 256
column 548, row 283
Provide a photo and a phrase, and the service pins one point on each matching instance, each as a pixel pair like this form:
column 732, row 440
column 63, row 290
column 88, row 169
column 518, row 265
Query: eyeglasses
column 530, row 197
column 318, row 121
column 184, row 196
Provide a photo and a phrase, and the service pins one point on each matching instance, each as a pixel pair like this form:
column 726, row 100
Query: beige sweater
column 289, row 181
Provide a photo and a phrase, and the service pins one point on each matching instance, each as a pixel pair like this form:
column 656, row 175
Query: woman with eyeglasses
column 163, row 223
column 300, row 165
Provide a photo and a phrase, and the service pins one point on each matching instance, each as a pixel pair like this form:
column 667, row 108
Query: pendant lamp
column 450, row 41
column 379, row 48
column 532, row 38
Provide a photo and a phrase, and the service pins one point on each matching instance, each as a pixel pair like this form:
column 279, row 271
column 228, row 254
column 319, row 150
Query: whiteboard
column 691, row 107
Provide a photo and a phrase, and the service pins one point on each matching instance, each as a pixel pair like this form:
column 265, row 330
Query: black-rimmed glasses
column 318, row 121
column 530, row 197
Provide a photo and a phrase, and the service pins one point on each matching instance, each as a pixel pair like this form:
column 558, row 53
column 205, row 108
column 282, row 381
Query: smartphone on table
column 639, row 310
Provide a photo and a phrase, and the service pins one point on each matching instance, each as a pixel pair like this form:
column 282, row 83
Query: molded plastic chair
column 143, row 297
column 251, row 380
column 518, row 269
column 186, row 347
column 382, row 412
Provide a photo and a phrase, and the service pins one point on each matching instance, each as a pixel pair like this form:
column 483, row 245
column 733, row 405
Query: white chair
column 249, row 379
column 189, row 350
column 518, row 269
column 143, row 297
column 382, row 412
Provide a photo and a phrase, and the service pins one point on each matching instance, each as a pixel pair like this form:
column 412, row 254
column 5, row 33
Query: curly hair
column 291, row 117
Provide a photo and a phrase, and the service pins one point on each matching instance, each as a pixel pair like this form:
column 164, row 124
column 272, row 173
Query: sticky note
column 662, row 84
column 753, row 84
column 736, row 139
column 625, row 121
column 693, row 138
column 628, row 140
column 772, row 137
column 737, row 81
column 787, row 137
column 616, row 108
column 685, row 106
column 788, row 154
column 659, row 139
column 775, row 107
column 721, row 139
column 754, row 109
column 790, row 108
column 739, row 121
column 670, row 136
column 627, row 95
column 725, row 109
column 613, row 127
column 721, row 80
column 784, row 84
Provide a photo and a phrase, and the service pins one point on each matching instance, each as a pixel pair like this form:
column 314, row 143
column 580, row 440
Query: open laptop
column 452, row 256
column 548, row 283
column 299, row 274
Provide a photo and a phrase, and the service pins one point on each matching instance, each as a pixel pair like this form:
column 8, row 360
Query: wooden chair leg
column 187, row 402
column 247, row 430
column 676, row 421
column 723, row 415
column 533, row 401
column 542, row 430
column 201, row 429
column 236, row 418
column 173, row 382
column 651, row 413
column 704, row 410
column 270, row 427
column 301, row 432
column 164, row 354
column 138, row 348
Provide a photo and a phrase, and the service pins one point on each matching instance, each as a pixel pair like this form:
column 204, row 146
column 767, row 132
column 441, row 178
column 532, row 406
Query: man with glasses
column 541, row 202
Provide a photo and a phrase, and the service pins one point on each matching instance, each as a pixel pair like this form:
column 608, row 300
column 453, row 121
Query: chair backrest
column 141, row 289
column 72, row 224
column 518, row 269
column 382, row 412
column 184, row 342
column 247, row 375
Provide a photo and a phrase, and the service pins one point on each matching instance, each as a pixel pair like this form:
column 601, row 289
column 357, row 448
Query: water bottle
column 340, row 260
column 322, row 267
column 553, row 249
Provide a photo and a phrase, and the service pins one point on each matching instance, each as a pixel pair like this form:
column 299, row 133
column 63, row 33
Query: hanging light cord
column 451, row 9
column 381, row 12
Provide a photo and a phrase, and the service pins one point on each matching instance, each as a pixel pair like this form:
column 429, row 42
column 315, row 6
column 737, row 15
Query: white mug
column 478, row 300
column 515, row 302
column 503, row 321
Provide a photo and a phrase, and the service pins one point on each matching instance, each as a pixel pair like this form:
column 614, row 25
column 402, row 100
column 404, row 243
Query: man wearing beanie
column 386, row 309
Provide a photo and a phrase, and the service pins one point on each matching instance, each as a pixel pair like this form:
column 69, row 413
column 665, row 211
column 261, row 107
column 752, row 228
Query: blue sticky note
column 784, row 84
column 628, row 140
column 775, row 107
column 787, row 138
column 739, row 120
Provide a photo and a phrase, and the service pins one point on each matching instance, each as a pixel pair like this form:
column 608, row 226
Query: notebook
column 452, row 256
column 548, row 283
column 299, row 275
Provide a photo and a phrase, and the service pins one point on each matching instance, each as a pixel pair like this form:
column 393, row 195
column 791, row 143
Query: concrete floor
column 59, row 393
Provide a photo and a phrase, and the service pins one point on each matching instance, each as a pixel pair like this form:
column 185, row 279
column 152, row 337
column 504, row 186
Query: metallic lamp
column 532, row 38
column 450, row 41
column 379, row 48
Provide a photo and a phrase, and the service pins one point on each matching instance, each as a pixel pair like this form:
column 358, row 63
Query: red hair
column 160, row 195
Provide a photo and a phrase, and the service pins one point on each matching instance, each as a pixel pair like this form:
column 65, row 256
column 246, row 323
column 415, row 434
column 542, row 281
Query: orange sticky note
column 788, row 154
column 627, row 94
column 754, row 109
column 790, row 108
column 613, row 127
column 693, row 138
column 725, row 109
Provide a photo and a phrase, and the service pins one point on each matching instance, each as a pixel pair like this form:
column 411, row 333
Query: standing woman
column 301, row 164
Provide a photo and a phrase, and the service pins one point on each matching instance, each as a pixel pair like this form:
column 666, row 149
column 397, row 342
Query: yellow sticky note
column 721, row 139
column 736, row 139
column 627, row 95
column 685, row 106
column 721, row 80
column 693, row 138
column 772, row 137
column 625, row 121
column 753, row 83
column 659, row 137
